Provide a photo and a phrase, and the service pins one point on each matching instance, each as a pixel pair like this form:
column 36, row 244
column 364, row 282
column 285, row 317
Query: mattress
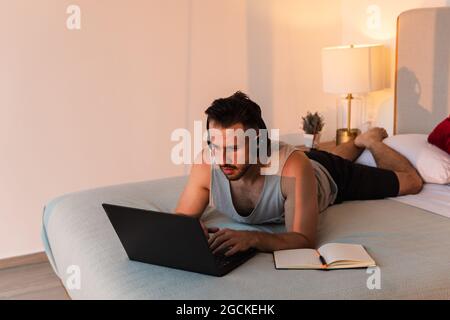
column 433, row 197
column 409, row 244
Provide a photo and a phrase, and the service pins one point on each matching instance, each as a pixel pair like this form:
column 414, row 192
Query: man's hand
column 207, row 230
column 234, row 241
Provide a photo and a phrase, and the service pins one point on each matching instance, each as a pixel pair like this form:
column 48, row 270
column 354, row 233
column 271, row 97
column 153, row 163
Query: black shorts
column 356, row 181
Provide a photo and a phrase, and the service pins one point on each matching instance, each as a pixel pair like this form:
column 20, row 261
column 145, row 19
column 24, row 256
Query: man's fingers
column 216, row 234
column 218, row 240
column 233, row 250
column 224, row 245
column 207, row 230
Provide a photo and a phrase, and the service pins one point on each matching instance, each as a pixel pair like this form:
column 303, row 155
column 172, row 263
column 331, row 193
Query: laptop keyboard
column 222, row 260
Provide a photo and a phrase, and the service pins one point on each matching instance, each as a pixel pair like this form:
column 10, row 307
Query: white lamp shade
column 353, row 69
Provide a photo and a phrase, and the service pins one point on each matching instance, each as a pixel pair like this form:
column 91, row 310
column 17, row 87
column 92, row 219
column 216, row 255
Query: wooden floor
column 31, row 278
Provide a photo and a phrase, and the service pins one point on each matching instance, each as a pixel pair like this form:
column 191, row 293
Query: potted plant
column 312, row 126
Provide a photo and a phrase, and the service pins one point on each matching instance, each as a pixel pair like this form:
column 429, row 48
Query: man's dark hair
column 237, row 108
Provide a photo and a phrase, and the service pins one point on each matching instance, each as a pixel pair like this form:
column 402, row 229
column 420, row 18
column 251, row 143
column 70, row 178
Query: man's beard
column 234, row 177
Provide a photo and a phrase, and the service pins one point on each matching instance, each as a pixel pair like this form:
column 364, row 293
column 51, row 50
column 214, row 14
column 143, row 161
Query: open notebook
column 328, row 256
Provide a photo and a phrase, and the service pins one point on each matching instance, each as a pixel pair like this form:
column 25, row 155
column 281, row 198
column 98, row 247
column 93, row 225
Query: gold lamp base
column 345, row 135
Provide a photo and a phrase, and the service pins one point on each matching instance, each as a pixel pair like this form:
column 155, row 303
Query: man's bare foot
column 373, row 135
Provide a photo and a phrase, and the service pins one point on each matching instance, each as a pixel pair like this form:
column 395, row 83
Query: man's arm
column 299, row 186
column 195, row 197
column 301, row 207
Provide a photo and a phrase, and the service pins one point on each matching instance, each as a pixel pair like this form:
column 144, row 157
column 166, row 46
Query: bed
column 408, row 238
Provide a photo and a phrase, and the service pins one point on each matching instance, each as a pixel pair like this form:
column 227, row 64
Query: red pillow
column 440, row 136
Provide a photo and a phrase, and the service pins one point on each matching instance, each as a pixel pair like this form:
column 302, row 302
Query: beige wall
column 275, row 57
column 94, row 107
column 79, row 108
column 217, row 64
column 356, row 29
column 301, row 30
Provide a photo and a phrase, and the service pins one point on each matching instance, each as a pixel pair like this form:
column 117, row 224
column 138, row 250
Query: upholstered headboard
column 422, row 95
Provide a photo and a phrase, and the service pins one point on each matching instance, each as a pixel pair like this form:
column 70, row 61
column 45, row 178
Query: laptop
column 169, row 240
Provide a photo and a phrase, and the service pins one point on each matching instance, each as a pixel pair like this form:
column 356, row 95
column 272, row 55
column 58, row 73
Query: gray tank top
column 270, row 206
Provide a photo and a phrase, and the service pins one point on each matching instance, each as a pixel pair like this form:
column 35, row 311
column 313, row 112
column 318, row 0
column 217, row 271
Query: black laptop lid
column 161, row 238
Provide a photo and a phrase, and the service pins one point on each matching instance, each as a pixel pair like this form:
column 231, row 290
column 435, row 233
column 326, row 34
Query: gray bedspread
column 410, row 245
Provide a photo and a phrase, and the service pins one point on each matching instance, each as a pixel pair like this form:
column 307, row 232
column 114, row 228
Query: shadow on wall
column 260, row 55
column 416, row 118
column 410, row 88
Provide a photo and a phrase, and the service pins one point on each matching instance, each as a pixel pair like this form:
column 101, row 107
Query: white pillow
column 432, row 163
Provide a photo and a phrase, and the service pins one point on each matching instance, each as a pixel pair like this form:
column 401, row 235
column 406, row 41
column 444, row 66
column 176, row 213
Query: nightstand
column 324, row 146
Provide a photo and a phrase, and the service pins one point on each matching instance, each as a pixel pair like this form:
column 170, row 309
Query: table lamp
column 349, row 70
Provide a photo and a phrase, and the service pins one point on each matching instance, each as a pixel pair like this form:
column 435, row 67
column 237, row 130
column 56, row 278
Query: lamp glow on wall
column 349, row 70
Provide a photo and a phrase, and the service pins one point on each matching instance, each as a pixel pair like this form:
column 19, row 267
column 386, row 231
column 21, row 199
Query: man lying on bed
column 306, row 183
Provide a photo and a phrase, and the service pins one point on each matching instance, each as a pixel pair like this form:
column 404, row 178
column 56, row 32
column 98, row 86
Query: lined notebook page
column 295, row 258
column 333, row 252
